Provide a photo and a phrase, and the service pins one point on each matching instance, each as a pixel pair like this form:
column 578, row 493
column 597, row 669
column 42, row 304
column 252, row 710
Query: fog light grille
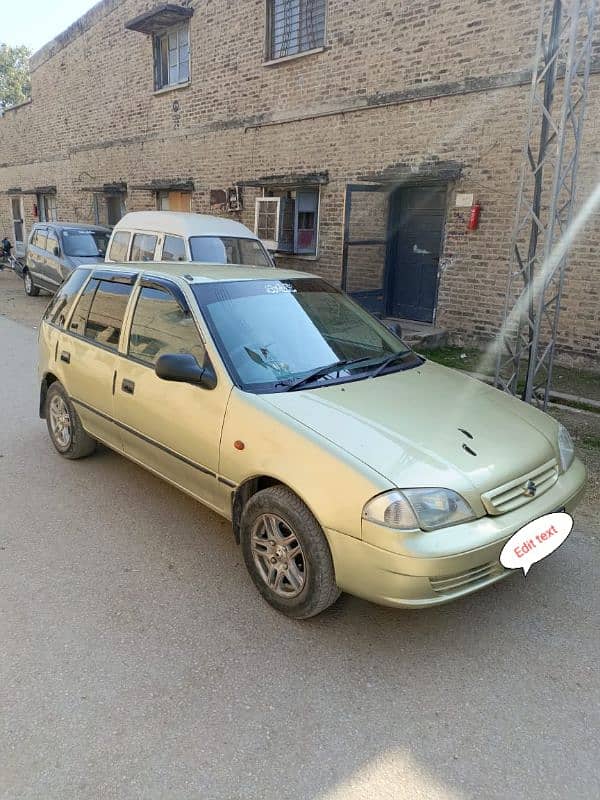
column 454, row 582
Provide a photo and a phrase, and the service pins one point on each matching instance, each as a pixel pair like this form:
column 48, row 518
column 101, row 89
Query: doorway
column 18, row 225
column 415, row 232
column 392, row 244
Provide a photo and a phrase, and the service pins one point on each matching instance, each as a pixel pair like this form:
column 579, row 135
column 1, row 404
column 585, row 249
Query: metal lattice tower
column 546, row 198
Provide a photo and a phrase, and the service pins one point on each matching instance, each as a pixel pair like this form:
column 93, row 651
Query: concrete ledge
column 557, row 398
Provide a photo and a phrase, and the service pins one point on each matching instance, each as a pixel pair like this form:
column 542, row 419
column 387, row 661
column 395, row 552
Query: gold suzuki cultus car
column 345, row 461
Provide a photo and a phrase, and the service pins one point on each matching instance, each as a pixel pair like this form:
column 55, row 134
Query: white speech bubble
column 535, row 541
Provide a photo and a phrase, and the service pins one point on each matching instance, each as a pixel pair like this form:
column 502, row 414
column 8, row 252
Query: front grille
column 514, row 494
column 472, row 576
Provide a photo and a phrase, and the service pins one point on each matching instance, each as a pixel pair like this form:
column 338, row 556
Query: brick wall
column 400, row 87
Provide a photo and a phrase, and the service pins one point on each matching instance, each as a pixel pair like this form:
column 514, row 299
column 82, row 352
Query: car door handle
column 66, row 357
column 128, row 386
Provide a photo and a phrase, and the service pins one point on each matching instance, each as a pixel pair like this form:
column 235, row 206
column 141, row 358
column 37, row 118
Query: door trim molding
column 154, row 443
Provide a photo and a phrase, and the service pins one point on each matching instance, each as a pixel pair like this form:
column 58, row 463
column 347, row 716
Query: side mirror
column 184, row 368
column 395, row 327
column 56, row 250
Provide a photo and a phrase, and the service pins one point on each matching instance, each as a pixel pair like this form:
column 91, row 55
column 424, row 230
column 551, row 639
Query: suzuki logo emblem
column 530, row 489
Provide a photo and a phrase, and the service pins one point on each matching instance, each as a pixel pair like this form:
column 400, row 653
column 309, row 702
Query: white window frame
column 161, row 40
column 268, row 243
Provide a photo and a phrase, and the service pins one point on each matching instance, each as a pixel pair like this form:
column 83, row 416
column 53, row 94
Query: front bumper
column 417, row 570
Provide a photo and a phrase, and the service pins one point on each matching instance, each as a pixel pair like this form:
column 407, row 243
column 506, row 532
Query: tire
column 31, row 290
column 280, row 535
column 64, row 426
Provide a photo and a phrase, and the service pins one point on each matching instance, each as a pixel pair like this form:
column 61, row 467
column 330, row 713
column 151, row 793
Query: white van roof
column 179, row 223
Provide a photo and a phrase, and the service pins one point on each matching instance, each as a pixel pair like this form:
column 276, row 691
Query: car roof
column 76, row 225
column 182, row 224
column 207, row 273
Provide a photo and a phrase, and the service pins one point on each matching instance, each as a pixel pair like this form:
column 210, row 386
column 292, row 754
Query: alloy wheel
column 278, row 556
column 60, row 422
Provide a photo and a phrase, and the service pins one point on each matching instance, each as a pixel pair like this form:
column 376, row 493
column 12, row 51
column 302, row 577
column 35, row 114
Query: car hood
column 428, row 426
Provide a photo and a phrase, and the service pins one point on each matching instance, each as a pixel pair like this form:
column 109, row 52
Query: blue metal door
column 415, row 239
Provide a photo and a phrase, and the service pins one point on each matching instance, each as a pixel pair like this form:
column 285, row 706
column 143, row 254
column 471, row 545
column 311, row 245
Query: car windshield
column 81, row 242
column 280, row 335
column 228, row 250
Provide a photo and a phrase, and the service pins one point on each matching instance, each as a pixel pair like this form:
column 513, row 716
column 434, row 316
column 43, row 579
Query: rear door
column 88, row 350
column 172, row 428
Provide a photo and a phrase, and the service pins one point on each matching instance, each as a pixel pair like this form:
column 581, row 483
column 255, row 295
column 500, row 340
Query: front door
column 172, row 428
column 50, row 266
column 415, row 240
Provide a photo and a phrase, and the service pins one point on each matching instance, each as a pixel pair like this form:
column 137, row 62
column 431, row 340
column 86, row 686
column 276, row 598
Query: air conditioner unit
column 234, row 199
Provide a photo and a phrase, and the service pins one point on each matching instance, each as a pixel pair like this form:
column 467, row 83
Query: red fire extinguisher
column 473, row 223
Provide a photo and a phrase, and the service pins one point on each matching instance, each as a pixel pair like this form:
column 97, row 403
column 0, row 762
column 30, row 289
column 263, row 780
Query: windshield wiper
column 391, row 359
column 321, row 372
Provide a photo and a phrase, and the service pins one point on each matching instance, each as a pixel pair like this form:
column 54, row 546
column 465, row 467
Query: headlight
column 566, row 448
column 427, row 509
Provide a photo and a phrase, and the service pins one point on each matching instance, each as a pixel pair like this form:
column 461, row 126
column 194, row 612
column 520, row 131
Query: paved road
column 137, row 660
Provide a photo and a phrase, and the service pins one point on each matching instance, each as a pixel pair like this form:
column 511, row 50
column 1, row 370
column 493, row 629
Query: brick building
column 353, row 135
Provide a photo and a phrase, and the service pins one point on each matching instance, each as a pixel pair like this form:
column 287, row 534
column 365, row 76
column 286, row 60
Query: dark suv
column 55, row 249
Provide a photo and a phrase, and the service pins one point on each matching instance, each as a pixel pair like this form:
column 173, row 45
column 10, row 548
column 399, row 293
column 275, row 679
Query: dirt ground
column 15, row 304
column 584, row 426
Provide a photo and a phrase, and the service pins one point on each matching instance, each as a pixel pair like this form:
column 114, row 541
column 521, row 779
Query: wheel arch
column 245, row 491
column 47, row 381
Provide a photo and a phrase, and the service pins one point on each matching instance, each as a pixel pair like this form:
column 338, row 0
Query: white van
column 177, row 236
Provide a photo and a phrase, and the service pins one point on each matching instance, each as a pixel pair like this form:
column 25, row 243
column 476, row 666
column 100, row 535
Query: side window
column 51, row 241
column 119, row 246
column 105, row 318
column 172, row 57
column 82, row 309
column 160, row 326
column 39, row 238
column 144, row 245
column 58, row 310
column 174, row 249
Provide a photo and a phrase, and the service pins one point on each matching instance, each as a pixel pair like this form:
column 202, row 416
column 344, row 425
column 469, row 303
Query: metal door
column 415, row 239
column 18, row 225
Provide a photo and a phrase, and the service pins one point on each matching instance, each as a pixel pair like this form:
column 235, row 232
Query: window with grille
column 172, row 57
column 295, row 26
column 289, row 223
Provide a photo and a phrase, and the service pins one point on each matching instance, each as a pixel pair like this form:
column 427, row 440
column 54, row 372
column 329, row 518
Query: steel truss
column 546, row 198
